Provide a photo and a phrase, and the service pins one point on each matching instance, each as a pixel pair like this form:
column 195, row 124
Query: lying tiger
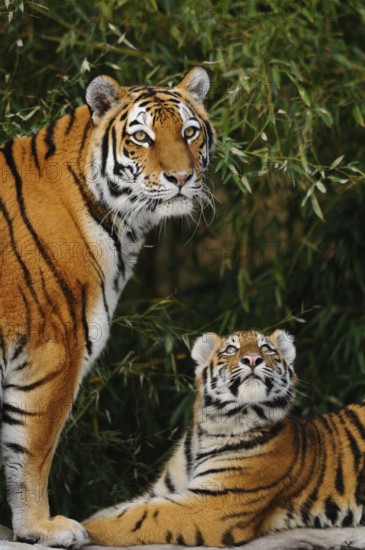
column 245, row 467
column 77, row 200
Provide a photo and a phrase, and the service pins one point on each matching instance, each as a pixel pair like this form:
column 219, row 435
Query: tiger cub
column 76, row 202
column 245, row 467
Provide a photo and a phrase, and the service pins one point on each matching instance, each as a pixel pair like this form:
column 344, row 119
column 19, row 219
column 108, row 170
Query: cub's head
column 150, row 146
column 245, row 372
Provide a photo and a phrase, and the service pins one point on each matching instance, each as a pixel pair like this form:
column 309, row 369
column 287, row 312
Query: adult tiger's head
column 245, row 374
column 150, row 146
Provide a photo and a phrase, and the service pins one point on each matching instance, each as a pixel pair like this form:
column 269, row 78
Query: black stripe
column 180, row 540
column 245, row 445
column 7, row 419
column 114, row 189
column 34, row 152
column 278, row 402
column 22, row 340
column 84, row 136
column 22, row 365
column 258, row 410
column 40, row 382
column 236, row 490
column 16, row 410
column 85, row 326
column 199, row 539
column 99, row 215
column 332, row 430
column 27, row 276
column 354, row 419
column 17, row 448
column 339, row 479
column 187, row 449
column 106, row 307
column 139, row 523
column 348, row 519
column 2, row 346
column 8, row 153
column 27, row 311
column 217, row 470
column 48, row 139
column 234, row 386
column 354, row 448
column 96, row 264
column 169, row 483
column 168, row 537
column 314, row 435
column 209, row 400
column 227, row 539
column 71, row 115
column 331, row 510
column 105, row 147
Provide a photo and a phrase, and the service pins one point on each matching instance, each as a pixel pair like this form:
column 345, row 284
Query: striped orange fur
column 246, row 467
column 76, row 202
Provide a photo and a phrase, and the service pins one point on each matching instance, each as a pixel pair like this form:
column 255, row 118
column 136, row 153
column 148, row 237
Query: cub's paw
column 57, row 531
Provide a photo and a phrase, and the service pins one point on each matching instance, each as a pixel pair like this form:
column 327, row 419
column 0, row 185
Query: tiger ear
column 203, row 348
column 197, row 83
column 101, row 94
column 284, row 343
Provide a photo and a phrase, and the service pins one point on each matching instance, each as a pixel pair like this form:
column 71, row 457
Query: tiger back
column 245, row 467
column 76, row 202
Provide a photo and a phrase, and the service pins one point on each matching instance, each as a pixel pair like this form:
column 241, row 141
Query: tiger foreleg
column 187, row 519
column 35, row 409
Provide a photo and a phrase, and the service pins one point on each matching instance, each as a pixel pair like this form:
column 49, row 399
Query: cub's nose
column 178, row 178
column 252, row 360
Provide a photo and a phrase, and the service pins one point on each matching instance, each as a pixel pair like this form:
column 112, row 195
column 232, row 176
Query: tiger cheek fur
column 76, row 202
column 245, row 467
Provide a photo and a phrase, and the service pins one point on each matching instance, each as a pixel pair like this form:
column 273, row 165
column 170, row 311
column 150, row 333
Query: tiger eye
column 230, row 350
column 140, row 135
column 266, row 349
column 190, row 131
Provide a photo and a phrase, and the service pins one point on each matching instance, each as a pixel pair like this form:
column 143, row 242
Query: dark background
column 286, row 244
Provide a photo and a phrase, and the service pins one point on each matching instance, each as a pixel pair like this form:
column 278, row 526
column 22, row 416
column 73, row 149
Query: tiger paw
column 57, row 531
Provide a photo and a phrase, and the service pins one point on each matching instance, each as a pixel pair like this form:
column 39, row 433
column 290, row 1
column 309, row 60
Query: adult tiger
column 246, row 468
column 76, row 202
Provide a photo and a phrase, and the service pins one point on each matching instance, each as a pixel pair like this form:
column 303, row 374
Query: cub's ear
column 284, row 343
column 197, row 83
column 101, row 94
column 203, row 348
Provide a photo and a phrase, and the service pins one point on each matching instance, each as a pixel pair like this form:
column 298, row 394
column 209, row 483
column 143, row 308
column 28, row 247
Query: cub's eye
column 190, row 132
column 141, row 136
column 266, row 349
column 230, row 350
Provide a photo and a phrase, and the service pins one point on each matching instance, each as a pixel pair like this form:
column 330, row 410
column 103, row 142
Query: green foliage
column 286, row 245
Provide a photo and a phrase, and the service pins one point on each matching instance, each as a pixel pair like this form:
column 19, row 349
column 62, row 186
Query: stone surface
column 295, row 539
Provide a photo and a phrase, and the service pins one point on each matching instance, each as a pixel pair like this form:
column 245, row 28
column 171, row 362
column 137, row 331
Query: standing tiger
column 246, row 467
column 76, row 202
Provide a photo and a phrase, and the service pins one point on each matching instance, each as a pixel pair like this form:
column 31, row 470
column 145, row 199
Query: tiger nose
column 178, row 178
column 252, row 360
